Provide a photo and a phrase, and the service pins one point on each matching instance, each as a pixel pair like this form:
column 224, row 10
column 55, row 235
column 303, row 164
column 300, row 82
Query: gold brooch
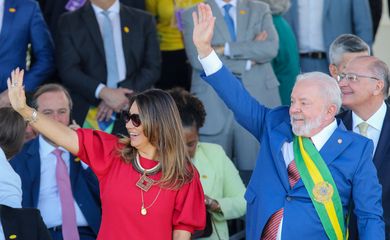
column 12, row 10
column 77, row 159
column 323, row 192
column 126, row 29
column 242, row 12
column 204, row 176
column 13, row 236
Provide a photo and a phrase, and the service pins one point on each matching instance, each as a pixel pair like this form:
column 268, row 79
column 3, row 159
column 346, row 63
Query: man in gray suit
column 246, row 41
column 317, row 23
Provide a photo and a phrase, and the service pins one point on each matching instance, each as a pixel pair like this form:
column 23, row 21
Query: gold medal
column 323, row 192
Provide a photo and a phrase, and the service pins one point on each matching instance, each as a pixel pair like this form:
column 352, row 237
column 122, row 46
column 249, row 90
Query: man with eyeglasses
column 364, row 84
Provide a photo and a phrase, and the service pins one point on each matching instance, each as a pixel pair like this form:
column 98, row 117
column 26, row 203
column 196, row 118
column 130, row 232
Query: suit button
column 288, row 198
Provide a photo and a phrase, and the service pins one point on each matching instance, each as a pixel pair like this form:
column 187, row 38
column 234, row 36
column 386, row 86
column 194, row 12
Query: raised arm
column 204, row 23
column 53, row 130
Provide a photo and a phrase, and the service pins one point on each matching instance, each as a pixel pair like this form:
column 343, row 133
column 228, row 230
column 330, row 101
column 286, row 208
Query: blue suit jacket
column 339, row 17
column 23, row 24
column 382, row 164
column 84, row 183
column 347, row 155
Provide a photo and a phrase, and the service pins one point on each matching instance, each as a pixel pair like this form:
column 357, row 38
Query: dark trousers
column 175, row 70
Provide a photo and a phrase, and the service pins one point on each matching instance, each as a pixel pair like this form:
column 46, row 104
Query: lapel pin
column 13, row 236
column 242, row 12
column 12, row 10
column 126, row 29
column 339, row 141
column 204, row 176
column 77, row 159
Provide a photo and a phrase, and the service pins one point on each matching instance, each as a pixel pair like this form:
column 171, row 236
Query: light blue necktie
column 229, row 21
column 109, row 50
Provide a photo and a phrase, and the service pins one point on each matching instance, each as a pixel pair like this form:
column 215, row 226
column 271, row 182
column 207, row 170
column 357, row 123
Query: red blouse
column 182, row 209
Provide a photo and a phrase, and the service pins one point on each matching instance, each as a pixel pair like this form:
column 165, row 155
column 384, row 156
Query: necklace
column 143, row 207
column 145, row 182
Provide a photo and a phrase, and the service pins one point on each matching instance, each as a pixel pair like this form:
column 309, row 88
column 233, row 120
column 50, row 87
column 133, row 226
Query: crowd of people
column 168, row 119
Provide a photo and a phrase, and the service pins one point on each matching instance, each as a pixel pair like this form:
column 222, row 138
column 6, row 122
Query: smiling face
column 365, row 90
column 308, row 111
column 137, row 135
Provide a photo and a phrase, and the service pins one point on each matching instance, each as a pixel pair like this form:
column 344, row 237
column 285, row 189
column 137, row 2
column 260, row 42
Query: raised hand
column 16, row 93
column 204, row 22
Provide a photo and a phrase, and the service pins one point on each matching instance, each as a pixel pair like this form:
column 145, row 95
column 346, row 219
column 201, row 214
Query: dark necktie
column 271, row 228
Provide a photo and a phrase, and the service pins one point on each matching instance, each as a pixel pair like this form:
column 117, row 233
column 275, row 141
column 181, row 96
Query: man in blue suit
column 317, row 23
column 280, row 202
column 37, row 166
column 365, row 85
column 21, row 23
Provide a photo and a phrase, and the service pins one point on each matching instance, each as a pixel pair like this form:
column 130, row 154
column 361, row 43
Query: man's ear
column 333, row 70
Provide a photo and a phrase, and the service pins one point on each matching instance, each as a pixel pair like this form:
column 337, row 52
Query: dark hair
column 12, row 129
column 51, row 87
column 162, row 126
column 191, row 109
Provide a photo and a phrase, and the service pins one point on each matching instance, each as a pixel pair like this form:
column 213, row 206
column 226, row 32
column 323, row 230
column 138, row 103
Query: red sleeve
column 97, row 149
column 190, row 210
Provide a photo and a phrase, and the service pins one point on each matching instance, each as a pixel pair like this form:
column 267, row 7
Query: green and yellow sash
column 320, row 185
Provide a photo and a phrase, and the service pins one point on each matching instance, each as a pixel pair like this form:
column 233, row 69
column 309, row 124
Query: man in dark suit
column 22, row 223
column 21, row 23
column 37, row 166
column 101, row 67
column 365, row 85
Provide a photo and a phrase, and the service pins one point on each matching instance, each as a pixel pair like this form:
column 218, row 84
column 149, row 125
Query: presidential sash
column 320, row 185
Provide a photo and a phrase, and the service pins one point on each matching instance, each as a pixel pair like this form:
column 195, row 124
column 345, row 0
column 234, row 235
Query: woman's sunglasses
column 135, row 120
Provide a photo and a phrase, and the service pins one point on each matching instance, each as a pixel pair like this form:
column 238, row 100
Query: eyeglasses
column 135, row 120
column 352, row 77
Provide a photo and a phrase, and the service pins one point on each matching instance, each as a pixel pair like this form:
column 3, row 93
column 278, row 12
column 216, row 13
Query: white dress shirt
column 117, row 34
column 49, row 198
column 2, row 237
column 212, row 64
column 375, row 123
column 310, row 17
column 10, row 184
column 1, row 13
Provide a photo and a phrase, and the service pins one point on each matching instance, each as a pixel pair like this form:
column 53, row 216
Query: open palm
column 204, row 22
column 16, row 92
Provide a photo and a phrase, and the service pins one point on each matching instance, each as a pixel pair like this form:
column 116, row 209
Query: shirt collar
column 114, row 8
column 45, row 148
column 322, row 137
column 375, row 121
column 221, row 3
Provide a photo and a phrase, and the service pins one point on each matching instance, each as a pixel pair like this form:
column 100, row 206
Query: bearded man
column 310, row 169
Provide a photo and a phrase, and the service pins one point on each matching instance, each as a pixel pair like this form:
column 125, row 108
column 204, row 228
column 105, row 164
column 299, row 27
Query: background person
column 222, row 185
column 149, row 188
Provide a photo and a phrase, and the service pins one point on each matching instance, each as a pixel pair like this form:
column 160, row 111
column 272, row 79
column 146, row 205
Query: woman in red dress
column 148, row 187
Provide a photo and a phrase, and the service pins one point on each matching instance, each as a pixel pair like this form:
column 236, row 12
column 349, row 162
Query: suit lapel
column 280, row 135
column 384, row 140
column 92, row 25
column 207, row 175
column 127, row 32
column 73, row 171
column 8, row 222
column 326, row 8
column 10, row 10
column 34, row 169
column 242, row 19
column 219, row 21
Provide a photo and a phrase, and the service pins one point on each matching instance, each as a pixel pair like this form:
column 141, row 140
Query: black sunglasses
column 135, row 120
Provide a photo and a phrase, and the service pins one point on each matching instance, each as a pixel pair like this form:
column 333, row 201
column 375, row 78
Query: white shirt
column 212, row 64
column 49, row 199
column 1, row 232
column 10, row 184
column 1, row 13
column 310, row 17
column 116, row 26
column 375, row 123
